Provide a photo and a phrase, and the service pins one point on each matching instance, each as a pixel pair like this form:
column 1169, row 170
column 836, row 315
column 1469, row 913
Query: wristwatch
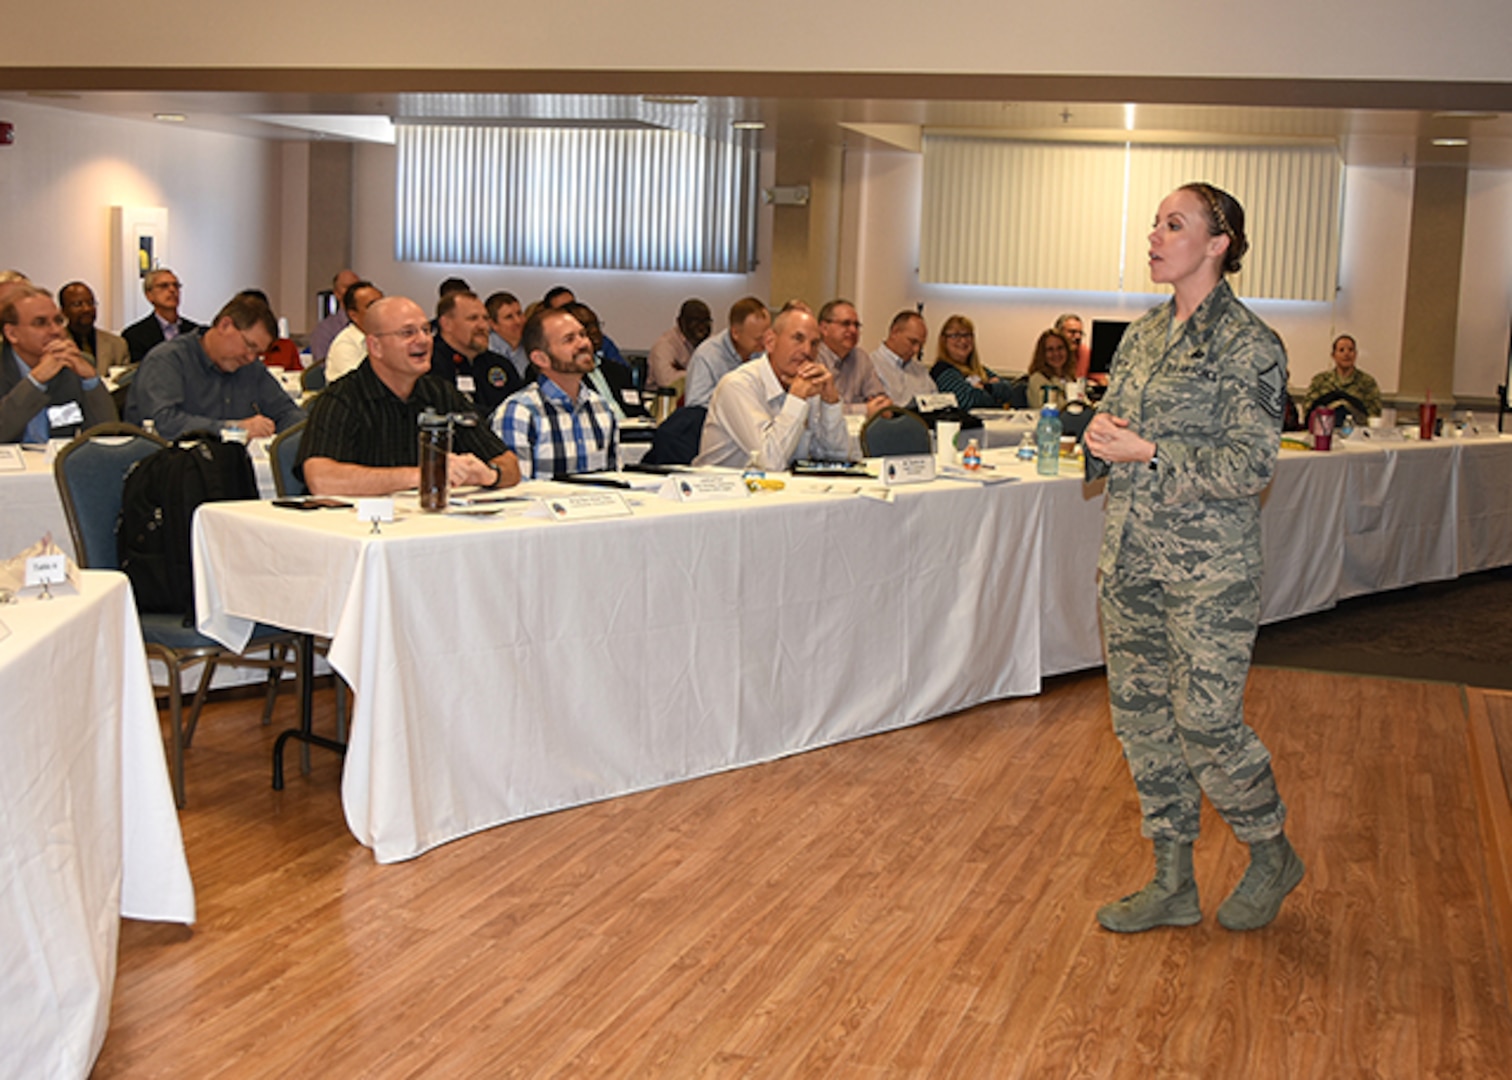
column 1155, row 460
column 498, row 475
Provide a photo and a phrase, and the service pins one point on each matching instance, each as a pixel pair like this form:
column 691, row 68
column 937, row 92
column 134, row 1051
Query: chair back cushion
column 284, row 452
column 676, row 439
column 894, row 431
column 90, row 472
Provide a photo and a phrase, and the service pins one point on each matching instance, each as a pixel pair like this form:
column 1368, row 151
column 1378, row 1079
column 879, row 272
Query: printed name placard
column 375, row 509
column 11, row 459
column 46, row 569
column 65, row 415
column 907, row 469
column 582, row 506
column 705, row 487
column 934, row 402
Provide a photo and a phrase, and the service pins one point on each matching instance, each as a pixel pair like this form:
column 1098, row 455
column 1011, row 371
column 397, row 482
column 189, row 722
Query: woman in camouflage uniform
column 1187, row 436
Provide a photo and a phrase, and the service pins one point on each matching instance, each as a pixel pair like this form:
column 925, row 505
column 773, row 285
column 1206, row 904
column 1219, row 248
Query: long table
column 509, row 667
column 89, row 828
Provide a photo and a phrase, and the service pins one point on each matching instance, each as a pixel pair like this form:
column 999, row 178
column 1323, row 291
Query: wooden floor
column 914, row 904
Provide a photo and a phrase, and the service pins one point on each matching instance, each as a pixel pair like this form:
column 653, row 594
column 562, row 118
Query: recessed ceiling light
column 170, row 117
column 1451, row 142
column 748, row 125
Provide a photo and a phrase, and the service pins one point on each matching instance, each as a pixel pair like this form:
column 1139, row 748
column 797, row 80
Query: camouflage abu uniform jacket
column 1212, row 403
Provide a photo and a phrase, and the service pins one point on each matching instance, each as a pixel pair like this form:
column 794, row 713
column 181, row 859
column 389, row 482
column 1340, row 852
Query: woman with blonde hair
column 959, row 371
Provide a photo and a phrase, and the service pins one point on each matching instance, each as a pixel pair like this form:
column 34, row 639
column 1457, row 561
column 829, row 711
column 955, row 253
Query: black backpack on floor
column 157, row 507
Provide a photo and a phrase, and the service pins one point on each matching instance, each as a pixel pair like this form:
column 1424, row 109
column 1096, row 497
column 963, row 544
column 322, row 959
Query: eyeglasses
column 167, row 285
column 407, row 334
column 960, row 335
column 253, row 347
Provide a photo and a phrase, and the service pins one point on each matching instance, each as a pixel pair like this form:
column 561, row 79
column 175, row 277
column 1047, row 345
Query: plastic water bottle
column 971, row 457
column 1026, row 451
column 1047, row 437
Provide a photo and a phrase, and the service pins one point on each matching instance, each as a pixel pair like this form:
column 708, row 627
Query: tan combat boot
column 1274, row 871
column 1170, row 899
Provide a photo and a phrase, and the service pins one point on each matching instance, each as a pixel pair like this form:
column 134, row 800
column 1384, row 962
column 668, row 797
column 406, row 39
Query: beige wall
column 1480, row 361
column 1343, row 39
column 233, row 208
column 1378, row 203
column 66, row 170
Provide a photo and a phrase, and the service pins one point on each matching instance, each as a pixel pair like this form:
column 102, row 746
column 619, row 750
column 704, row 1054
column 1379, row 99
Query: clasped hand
column 60, row 354
column 814, row 378
column 1112, row 439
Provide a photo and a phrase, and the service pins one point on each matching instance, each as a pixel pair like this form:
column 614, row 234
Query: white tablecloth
column 29, row 503
column 30, row 507
column 90, row 831
column 504, row 669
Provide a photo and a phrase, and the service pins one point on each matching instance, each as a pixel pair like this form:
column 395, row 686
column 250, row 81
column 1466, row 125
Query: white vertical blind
column 1292, row 208
column 1077, row 216
column 1035, row 215
column 640, row 198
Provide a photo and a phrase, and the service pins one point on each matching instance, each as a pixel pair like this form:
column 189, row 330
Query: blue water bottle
column 1047, row 437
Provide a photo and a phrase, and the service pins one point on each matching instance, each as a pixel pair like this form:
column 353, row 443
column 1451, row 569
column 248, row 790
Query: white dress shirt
column 347, row 353
column 905, row 381
column 753, row 421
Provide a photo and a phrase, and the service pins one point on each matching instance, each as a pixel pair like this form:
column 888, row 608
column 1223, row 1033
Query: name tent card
column 907, row 469
column 46, row 569
column 929, row 403
column 705, row 487
column 375, row 510
column 582, row 506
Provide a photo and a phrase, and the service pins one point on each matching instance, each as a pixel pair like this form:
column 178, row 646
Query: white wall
column 887, row 186
column 1481, row 339
column 634, row 307
column 66, row 170
column 1372, row 277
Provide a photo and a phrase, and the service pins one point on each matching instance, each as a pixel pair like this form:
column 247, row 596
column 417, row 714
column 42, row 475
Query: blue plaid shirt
column 554, row 436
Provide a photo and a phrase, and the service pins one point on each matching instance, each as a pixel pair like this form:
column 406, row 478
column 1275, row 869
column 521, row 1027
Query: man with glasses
column 211, row 379
column 48, row 386
column 164, row 323
column 363, row 434
column 840, row 351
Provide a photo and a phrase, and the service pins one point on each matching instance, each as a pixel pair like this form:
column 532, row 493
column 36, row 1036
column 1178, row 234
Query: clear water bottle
column 1026, row 449
column 1047, row 437
column 971, row 457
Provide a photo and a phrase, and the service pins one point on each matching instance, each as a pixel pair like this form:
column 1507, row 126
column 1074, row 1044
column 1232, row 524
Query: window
column 628, row 197
column 1076, row 216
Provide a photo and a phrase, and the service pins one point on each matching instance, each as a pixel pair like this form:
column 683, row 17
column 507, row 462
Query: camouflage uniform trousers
column 1178, row 657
